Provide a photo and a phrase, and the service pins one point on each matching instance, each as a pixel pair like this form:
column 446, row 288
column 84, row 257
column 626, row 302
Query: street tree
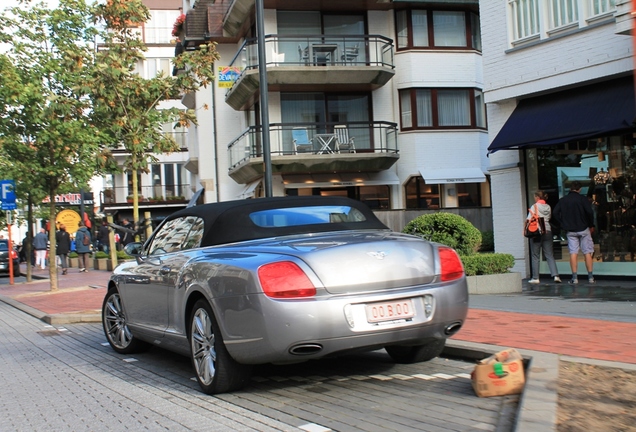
column 46, row 128
column 129, row 106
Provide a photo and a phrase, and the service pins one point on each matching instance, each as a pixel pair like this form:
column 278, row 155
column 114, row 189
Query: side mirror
column 133, row 249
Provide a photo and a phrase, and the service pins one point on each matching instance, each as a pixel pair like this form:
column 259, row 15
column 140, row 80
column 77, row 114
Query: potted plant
column 177, row 28
column 101, row 261
column 73, row 259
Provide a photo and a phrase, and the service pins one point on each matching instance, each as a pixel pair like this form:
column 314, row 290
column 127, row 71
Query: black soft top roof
column 229, row 221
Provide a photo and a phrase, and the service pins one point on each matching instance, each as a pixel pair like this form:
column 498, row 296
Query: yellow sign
column 70, row 219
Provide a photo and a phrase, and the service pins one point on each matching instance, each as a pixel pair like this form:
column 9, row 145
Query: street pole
column 262, row 74
column 11, row 251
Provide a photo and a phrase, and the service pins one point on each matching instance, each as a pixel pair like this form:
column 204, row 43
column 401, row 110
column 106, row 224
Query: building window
column 158, row 30
column 376, row 197
column 531, row 19
column 564, row 12
column 437, row 29
column 468, row 194
column 442, row 108
column 603, row 6
column 157, row 66
column 420, row 195
column 525, row 15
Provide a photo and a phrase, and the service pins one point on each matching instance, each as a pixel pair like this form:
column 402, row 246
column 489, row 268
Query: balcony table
column 325, row 141
column 320, row 53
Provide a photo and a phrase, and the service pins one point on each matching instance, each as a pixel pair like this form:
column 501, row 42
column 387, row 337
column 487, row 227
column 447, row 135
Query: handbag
column 535, row 225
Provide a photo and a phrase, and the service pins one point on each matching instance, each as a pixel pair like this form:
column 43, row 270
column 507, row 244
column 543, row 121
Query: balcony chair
column 350, row 54
column 302, row 143
column 303, row 54
column 343, row 140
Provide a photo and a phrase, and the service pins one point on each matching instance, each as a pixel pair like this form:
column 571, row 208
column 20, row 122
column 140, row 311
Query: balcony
column 312, row 63
column 375, row 149
column 159, row 195
column 238, row 15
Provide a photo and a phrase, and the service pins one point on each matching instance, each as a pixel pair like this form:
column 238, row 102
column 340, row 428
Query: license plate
column 387, row 311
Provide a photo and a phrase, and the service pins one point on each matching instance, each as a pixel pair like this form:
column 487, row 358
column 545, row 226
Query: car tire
column 416, row 353
column 216, row 371
column 115, row 325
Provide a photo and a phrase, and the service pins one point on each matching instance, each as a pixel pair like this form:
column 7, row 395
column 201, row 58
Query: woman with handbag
column 542, row 210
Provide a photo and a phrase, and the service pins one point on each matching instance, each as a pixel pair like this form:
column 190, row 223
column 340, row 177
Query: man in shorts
column 576, row 216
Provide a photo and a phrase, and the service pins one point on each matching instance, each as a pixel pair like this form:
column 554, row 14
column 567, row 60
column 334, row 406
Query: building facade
column 376, row 100
column 167, row 186
column 559, row 90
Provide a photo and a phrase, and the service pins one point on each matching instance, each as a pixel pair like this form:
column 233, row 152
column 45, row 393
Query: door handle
column 165, row 270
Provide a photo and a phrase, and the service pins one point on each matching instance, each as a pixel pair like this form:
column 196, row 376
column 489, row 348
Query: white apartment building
column 167, row 186
column 559, row 89
column 381, row 101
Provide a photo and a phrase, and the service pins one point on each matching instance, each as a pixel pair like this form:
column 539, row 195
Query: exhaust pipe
column 305, row 349
column 453, row 328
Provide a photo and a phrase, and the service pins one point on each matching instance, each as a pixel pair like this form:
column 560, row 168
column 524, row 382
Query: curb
column 61, row 318
column 537, row 410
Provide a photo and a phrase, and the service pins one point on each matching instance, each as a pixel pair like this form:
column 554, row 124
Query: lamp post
column 262, row 73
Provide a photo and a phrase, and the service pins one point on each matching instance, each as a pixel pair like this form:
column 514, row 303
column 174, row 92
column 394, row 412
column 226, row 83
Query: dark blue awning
column 585, row 112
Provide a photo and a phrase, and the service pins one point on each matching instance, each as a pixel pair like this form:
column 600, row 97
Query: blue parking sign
column 7, row 188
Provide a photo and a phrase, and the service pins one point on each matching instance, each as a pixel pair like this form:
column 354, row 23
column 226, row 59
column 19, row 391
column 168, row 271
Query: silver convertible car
column 282, row 280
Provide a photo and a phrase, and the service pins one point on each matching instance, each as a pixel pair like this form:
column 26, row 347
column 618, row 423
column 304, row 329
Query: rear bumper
column 291, row 331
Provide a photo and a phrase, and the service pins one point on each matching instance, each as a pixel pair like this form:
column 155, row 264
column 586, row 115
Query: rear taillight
column 14, row 254
column 451, row 265
column 285, row 280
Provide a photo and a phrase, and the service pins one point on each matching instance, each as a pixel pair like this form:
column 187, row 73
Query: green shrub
column 448, row 229
column 122, row 255
column 487, row 241
column 101, row 255
column 73, row 255
column 487, row 263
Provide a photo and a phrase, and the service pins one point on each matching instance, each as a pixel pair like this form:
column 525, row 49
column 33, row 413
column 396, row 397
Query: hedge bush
column 101, row 255
column 487, row 241
column 446, row 228
column 487, row 263
column 73, row 255
column 122, row 255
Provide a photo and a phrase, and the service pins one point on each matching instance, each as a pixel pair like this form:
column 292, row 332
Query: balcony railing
column 148, row 195
column 317, row 50
column 369, row 137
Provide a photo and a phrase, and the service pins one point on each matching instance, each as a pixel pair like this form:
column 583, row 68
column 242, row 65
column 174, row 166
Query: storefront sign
column 70, row 219
column 71, row 199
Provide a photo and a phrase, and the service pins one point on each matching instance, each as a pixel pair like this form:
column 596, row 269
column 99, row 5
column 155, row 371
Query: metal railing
column 147, row 194
column 368, row 137
column 317, row 50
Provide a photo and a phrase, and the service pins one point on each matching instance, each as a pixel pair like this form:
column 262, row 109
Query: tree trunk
column 52, row 248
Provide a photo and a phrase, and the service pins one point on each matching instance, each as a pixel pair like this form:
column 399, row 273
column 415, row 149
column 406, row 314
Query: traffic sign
column 7, row 188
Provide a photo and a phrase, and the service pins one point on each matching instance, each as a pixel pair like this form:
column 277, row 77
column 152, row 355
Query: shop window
column 468, row 194
column 420, row 195
column 376, row 197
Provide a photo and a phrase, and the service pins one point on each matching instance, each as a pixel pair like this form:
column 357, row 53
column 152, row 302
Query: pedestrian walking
column 575, row 215
column 103, row 237
column 63, row 246
column 127, row 234
column 40, row 244
column 83, row 246
column 542, row 208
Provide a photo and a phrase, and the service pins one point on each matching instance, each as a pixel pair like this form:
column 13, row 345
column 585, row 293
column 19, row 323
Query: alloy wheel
column 203, row 351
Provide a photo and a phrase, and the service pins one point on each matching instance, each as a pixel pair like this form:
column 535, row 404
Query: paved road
column 66, row 379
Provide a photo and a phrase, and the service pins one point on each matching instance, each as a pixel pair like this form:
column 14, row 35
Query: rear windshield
column 295, row 216
column 4, row 246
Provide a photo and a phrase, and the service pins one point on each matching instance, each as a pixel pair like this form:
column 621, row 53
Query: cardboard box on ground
column 500, row 374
